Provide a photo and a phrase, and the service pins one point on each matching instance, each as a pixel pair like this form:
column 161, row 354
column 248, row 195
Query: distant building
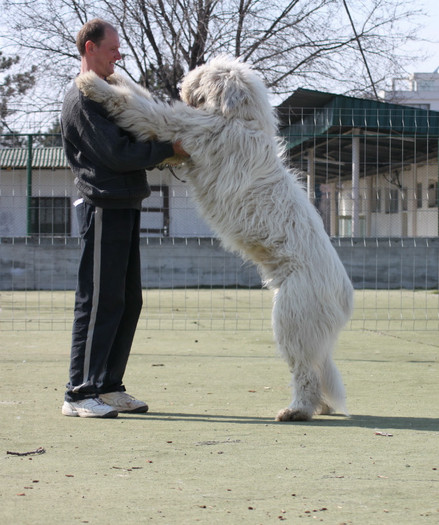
column 419, row 90
column 371, row 167
column 37, row 196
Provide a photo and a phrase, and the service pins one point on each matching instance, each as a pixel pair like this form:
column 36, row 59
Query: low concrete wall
column 51, row 264
column 409, row 263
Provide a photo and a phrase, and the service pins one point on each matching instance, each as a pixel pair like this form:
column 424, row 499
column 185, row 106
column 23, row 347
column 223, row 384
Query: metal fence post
column 29, row 182
column 355, row 182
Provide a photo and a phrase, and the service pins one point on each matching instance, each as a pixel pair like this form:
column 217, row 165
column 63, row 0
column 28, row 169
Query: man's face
column 106, row 53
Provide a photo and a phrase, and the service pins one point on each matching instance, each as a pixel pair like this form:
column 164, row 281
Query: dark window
column 155, row 216
column 376, row 200
column 50, row 216
column 432, row 195
column 419, row 195
column 404, row 199
column 392, row 198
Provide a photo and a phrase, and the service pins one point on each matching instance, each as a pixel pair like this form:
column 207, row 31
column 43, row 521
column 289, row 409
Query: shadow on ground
column 359, row 421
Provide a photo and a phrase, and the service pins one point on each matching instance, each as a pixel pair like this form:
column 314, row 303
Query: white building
column 419, row 90
column 36, row 199
column 371, row 167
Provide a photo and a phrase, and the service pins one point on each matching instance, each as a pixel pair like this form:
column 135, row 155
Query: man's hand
column 178, row 149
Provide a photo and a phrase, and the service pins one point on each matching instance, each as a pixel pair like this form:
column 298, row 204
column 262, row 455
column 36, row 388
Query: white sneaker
column 91, row 407
column 123, row 402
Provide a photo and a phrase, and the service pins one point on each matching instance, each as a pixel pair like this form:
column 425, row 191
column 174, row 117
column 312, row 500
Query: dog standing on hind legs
column 258, row 208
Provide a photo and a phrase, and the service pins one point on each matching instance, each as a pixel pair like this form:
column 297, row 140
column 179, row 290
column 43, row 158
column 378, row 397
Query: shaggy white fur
column 257, row 207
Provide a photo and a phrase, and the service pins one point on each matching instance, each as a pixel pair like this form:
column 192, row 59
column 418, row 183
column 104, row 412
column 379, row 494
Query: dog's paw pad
column 289, row 414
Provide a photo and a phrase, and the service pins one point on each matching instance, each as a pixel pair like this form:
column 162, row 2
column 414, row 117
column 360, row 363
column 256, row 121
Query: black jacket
column 109, row 166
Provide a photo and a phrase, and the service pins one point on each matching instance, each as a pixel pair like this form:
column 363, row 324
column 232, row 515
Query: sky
column 431, row 32
column 431, row 49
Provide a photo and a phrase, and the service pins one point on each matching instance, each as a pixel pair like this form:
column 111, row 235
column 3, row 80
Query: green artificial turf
column 209, row 450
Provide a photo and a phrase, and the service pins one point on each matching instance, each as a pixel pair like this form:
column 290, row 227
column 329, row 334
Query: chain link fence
column 376, row 189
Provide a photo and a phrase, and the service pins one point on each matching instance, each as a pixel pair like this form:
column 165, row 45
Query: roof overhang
column 325, row 125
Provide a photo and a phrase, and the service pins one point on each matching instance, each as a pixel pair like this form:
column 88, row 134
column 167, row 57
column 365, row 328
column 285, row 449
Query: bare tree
column 308, row 43
column 13, row 84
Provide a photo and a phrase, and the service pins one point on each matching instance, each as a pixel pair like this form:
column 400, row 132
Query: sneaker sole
column 108, row 415
column 139, row 410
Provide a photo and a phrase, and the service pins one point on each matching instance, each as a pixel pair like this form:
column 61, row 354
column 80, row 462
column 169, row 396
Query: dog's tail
column 332, row 387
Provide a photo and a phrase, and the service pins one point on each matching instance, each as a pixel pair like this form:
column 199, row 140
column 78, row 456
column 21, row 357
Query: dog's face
column 229, row 88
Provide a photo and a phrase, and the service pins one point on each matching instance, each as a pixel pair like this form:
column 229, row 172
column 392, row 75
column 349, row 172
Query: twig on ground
column 39, row 450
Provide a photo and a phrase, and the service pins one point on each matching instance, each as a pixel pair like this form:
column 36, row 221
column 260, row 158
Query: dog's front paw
column 292, row 414
column 88, row 84
column 116, row 80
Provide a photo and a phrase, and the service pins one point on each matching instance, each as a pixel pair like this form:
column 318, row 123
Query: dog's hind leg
column 334, row 395
column 306, row 395
column 305, row 336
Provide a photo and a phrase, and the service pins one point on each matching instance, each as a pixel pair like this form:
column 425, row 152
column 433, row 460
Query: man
column 109, row 168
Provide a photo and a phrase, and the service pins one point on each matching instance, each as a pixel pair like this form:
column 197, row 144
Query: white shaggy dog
column 257, row 207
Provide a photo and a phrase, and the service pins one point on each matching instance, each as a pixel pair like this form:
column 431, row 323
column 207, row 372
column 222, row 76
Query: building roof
column 391, row 135
column 42, row 158
column 304, row 105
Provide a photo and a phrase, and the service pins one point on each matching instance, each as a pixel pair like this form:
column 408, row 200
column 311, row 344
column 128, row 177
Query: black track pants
column 108, row 300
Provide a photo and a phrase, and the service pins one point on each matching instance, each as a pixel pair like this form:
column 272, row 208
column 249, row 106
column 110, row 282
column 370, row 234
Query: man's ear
column 90, row 47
